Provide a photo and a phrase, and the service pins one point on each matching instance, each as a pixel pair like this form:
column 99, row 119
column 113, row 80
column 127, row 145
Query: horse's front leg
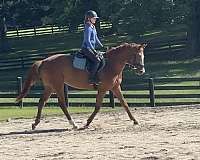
column 99, row 99
column 117, row 92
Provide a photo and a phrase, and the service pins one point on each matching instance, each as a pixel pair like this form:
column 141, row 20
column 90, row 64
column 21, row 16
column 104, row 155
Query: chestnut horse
column 56, row 70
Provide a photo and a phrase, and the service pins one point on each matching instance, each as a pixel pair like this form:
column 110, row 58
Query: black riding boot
column 93, row 77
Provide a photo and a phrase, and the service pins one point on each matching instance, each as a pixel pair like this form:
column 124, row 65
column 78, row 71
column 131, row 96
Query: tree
column 194, row 36
column 110, row 10
column 3, row 28
column 135, row 16
column 26, row 12
column 71, row 12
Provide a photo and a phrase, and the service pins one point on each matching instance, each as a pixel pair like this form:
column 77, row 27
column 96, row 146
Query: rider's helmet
column 91, row 14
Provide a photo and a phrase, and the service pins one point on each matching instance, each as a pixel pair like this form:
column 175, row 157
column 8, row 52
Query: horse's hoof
column 82, row 128
column 33, row 126
column 75, row 127
column 86, row 127
column 135, row 122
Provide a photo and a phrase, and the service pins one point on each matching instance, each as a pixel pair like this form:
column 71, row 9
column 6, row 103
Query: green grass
column 43, row 44
column 174, row 68
column 30, row 112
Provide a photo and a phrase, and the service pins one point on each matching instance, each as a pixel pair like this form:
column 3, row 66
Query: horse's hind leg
column 46, row 94
column 62, row 103
column 117, row 92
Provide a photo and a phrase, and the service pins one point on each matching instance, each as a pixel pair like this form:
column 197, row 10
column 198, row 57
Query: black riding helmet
column 91, row 14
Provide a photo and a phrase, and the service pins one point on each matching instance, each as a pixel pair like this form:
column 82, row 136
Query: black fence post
column 17, row 31
column 35, row 31
column 22, row 63
column 19, row 84
column 52, row 29
column 151, row 92
column 66, row 95
column 112, row 99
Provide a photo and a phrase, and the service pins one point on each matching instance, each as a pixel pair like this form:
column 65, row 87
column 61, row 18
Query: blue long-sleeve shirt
column 91, row 39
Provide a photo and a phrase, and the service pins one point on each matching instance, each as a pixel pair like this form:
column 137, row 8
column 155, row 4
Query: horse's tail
column 32, row 77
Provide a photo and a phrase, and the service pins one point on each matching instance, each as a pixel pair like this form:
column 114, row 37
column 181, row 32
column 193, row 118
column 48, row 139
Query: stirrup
column 94, row 81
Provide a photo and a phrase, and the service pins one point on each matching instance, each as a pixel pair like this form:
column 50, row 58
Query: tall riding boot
column 93, row 77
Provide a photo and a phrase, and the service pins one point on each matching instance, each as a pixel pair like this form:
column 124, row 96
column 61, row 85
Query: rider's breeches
column 92, row 57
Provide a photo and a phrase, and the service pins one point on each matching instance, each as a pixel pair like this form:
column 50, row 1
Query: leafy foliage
column 127, row 16
column 139, row 14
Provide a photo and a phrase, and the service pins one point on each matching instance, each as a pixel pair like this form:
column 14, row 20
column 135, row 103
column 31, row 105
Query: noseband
column 136, row 66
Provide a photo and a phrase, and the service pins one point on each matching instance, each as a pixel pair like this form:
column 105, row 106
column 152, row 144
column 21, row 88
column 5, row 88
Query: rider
column 90, row 42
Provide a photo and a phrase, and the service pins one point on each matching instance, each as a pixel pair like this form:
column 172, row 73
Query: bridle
column 135, row 65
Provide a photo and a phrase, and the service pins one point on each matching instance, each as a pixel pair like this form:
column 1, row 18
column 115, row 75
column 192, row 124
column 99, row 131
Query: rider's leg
column 93, row 77
column 91, row 55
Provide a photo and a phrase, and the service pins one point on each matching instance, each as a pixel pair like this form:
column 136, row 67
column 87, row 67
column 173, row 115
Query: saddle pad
column 79, row 62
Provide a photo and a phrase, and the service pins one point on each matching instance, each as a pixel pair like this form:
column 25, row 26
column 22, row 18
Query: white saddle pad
column 79, row 63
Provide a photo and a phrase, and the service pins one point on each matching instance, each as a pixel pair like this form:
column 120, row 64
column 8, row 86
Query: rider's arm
column 98, row 41
column 87, row 35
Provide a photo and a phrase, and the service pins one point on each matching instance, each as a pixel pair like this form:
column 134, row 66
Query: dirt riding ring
column 166, row 133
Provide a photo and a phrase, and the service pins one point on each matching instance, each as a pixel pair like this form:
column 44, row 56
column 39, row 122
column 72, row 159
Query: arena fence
column 138, row 92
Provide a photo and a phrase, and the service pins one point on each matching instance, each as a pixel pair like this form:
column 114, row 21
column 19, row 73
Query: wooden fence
column 48, row 29
column 23, row 62
column 167, row 47
column 138, row 92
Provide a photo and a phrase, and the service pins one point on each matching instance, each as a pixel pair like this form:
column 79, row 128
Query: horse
column 57, row 70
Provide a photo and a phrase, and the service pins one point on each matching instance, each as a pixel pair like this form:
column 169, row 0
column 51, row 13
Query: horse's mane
column 117, row 49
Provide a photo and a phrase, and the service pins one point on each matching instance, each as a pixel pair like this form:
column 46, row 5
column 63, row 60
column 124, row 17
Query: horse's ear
column 143, row 45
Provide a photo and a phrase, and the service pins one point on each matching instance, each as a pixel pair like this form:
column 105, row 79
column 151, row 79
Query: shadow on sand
column 34, row 132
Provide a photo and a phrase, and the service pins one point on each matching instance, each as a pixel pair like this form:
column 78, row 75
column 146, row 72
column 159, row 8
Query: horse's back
column 56, row 63
column 57, row 59
column 54, row 66
column 59, row 68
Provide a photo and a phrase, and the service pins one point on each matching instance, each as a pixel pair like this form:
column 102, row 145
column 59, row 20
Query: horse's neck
column 115, row 65
column 117, row 60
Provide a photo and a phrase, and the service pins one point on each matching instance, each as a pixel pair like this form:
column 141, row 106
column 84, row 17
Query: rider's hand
column 104, row 48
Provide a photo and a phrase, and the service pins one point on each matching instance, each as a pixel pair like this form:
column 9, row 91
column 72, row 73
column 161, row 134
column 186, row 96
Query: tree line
column 139, row 13
column 127, row 16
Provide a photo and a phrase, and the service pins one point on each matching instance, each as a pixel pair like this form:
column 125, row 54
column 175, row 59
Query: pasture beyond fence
column 138, row 92
column 162, row 49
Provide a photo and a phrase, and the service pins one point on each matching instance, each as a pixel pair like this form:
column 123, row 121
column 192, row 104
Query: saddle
column 81, row 62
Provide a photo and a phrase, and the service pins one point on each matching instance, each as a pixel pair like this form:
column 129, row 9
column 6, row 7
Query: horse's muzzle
column 140, row 71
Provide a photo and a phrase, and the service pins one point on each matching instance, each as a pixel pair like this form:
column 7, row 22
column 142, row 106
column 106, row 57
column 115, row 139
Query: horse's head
column 136, row 58
column 131, row 54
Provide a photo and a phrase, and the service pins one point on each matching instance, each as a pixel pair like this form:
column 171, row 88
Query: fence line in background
column 48, row 29
column 149, row 96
